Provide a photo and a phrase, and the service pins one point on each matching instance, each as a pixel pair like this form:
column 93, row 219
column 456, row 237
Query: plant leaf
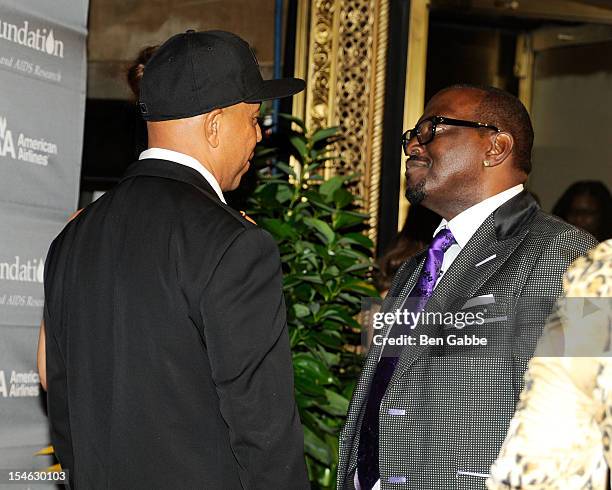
column 306, row 364
column 294, row 119
column 359, row 239
column 284, row 193
column 342, row 198
column 306, row 384
column 336, row 404
column 327, row 188
column 278, row 228
column 261, row 151
column 315, row 423
column 300, row 145
column 360, row 287
column 323, row 134
column 329, row 338
column 301, row 311
column 343, row 219
column 357, row 267
column 316, row 447
column 285, row 168
column 322, row 227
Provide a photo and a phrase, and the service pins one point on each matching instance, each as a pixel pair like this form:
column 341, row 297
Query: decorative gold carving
column 322, row 56
column 356, row 61
column 345, row 86
column 377, row 109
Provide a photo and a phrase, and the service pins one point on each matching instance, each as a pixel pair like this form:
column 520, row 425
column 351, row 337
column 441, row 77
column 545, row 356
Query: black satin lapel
column 514, row 215
column 169, row 170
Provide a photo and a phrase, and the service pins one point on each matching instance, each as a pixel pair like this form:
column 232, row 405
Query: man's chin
column 238, row 178
column 416, row 193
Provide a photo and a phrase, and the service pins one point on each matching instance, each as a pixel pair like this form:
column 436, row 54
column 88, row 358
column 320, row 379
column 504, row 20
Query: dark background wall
column 118, row 30
column 572, row 119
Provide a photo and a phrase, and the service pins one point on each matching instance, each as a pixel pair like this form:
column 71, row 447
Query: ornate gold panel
column 345, row 75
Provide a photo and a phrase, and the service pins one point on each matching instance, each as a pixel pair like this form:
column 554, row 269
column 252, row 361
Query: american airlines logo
column 19, row 384
column 42, row 40
column 31, row 270
column 24, row 147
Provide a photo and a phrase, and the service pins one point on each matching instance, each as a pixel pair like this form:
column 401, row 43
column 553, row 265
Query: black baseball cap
column 195, row 72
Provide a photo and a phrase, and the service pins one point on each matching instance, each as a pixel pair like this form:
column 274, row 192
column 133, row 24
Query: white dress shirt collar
column 464, row 225
column 188, row 161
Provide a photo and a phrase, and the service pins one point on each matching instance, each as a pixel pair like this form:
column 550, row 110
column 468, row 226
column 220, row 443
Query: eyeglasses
column 426, row 129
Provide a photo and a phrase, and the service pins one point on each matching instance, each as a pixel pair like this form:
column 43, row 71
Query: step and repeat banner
column 42, row 103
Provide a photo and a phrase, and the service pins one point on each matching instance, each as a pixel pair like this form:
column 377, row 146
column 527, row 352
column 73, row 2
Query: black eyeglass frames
column 426, row 129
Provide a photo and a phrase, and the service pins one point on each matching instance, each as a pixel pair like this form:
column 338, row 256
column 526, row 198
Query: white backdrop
column 42, row 102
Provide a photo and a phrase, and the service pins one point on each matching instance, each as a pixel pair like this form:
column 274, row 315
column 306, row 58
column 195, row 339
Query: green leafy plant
column 327, row 266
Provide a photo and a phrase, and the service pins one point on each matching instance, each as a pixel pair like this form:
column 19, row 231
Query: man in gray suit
column 437, row 392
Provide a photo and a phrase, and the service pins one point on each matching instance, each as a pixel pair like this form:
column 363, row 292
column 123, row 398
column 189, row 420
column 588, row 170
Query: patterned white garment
column 559, row 437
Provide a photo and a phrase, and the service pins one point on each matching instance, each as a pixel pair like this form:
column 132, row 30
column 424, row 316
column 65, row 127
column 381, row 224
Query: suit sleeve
column 543, row 287
column 245, row 331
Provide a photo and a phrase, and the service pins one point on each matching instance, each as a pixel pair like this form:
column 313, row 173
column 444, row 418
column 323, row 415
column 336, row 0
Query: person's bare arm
column 41, row 357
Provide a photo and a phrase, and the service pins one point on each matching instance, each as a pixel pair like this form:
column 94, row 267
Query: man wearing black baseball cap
column 168, row 362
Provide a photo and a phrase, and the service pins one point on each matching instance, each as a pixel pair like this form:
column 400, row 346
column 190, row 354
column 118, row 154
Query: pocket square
column 485, row 299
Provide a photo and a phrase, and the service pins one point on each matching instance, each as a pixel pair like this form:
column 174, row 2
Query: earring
column 486, row 163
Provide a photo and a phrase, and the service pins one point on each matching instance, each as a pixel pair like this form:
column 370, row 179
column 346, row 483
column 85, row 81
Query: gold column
column 377, row 110
column 414, row 98
column 344, row 51
column 301, row 54
column 322, row 66
column 523, row 68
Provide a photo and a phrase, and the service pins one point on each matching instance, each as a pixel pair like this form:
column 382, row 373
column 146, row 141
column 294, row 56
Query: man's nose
column 414, row 147
column 258, row 133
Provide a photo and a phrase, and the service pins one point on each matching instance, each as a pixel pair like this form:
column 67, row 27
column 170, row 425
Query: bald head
column 178, row 134
column 504, row 110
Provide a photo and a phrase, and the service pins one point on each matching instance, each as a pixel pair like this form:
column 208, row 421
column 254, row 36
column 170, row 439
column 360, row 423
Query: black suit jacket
column 168, row 358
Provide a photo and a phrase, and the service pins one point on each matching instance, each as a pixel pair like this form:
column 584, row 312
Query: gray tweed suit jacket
column 446, row 411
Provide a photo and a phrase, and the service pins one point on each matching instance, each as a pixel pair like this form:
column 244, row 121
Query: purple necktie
column 367, row 454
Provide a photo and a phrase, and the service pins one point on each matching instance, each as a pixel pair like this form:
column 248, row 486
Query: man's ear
column 212, row 126
column 501, row 148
